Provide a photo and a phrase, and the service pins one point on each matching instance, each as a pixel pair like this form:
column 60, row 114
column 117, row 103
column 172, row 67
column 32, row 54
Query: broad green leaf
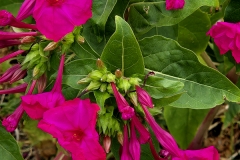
column 183, row 123
column 159, row 87
column 204, row 87
column 94, row 29
column 11, row 6
column 232, row 11
column 9, row 150
column 231, row 113
column 84, row 50
column 122, row 51
column 145, row 15
column 101, row 98
column 192, row 31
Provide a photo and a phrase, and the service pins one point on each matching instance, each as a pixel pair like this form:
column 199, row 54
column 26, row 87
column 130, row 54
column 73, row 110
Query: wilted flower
column 56, row 18
column 226, row 36
column 73, row 124
column 174, row 4
column 8, row 43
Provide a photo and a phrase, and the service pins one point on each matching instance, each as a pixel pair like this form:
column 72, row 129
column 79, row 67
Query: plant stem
column 208, row 60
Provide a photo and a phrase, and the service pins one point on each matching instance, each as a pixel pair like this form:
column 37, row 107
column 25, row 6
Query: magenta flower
column 36, row 105
column 56, row 18
column 143, row 97
column 11, row 55
column 123, row 106
column 6, row 18
column 174, row 4
column 26, row 9
column 134, row 145
column 6, row 77
column 7, row 43
column 11, row 122
column 170, row 145
column 73, row 124
column 125, row 148
column 226, row 36
column 18, row 89
column 13, row 35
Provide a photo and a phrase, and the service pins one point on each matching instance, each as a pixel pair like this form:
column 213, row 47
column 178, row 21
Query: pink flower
column 36, row 105
column 11, row 55
column 123, row 106
column 143, row 97
column 7, row 43
column 174, row 4
column 134, row 145
column 13, row 35
column 11, row 122
column 56, row 18
column 170, row 145
column 26, row 9
column 6, row 18
column 125, row 148
column 73, row 124
column 227, row 37
column 18, row 89
column 107, row 144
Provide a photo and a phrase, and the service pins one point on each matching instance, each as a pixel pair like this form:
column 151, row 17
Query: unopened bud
column 103, row 87
column 107, row 143
column 118, row 73
column 19, row 74
column 133, row 98
column 30, row 56
column 93, row 85
column 84, row 80
column 51, row 46
column 80, row 39
column 111, row 77
column 39, row 70
column 28, row 39
column 103, row 78
column 134, row 81
column 41, row 83
column 96, row 75
column 120, row 137
column 109, row 89
column 124, row 84
column 100, row 65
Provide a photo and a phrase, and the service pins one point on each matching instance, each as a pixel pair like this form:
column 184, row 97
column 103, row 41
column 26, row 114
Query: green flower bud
column 96, row 75
column 109, row 89
column 103, row 87
column 51, row 46
column 111, row 77
column 103, row 78
column 39, row 70
column 124, row 84
column 101, row 66
column 35, row 61
column 134, row 81
column 94, row 85
column 84, row 80
column 30, row 56
column 80, row 39
column 67, row 42
column 133, row 98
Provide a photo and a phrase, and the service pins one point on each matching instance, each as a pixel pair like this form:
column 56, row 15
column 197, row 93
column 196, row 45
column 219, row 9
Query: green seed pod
column 96, row 75
column 103, row 87
column 94, row 85
column 124, row 84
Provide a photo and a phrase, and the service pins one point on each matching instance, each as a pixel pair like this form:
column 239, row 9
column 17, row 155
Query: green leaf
column 183, row 123
column 192, row 32
column 101, row 98
column 11, row 6
column 9, row 150
column 204, row 87
column 122, row 51
column 231, row 113
column 232, row 11
column 159, row 87
column 143, row 16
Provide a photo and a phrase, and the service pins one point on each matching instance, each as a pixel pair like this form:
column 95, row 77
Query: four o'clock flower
column 6, row 18
column 36, row 105
column 11, row 55
column 125, row 148
column 7, row 43
column 174, row 4
column 56, row 18
column 73, row 124
column 13, row 35
column 26, row 9
column 143, row 97
column 123, row 106
column 18, row 89
column 134, row 145
column 11, row 122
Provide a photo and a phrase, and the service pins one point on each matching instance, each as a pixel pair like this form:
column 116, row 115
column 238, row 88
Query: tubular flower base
column 226, row 37
column 18, row 89
column 26, row 9
column 73, row 124
column 9, row 56
column 56, row 18
column 174, row 4
column 12, row 35
column 36, row 105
